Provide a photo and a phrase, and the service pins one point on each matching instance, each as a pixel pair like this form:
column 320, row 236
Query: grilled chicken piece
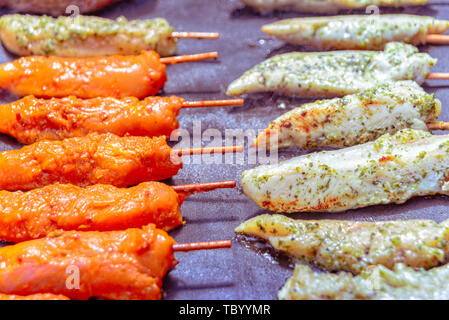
column 374, row 283
column 328, row 6
column 44, row 296
column 84, row 36
column 353, row 246
column 30, row 119
column 119, row 265
column 55, row 7
column 356, row 31
column 334, row 73
column 353, row 119
column 114, row 76
column 89, row 160
column 55, row 208
column 391, row 169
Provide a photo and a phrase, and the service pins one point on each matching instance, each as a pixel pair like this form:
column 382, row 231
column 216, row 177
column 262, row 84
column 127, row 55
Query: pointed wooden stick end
column 195, row 35
column 209, row 245
column 214, row 103
column 204, row 187
column 190, row 58
column 438, row 125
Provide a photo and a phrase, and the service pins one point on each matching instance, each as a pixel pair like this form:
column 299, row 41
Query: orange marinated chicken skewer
column 38, row 296
column 56, row 208
column 31, row 119
column 121, row 265
column 94, row 159
column 112, row 76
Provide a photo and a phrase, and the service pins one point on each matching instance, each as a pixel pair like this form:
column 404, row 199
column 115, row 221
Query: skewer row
column 120, row 85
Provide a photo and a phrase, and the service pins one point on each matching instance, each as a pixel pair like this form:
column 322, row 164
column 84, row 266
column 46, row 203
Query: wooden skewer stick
column 190, row 58
column 222, row 150
column 204, row 187
column 438, row 76
column 202, row 245
column 195, row 35
column 437, row 38
column 214, row 103
column 438, row 125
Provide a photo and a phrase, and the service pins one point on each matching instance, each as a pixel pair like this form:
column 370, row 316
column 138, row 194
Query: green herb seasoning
column 334, row 73
column 84, row 36
column 354, row 119
column 391, row 169
column 356, row 31
column 374, row 283
column 351, row 245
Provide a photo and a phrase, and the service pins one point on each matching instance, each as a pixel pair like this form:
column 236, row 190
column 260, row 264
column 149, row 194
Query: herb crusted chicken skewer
column 391, row 169
column 89, row 36
column 354, row 119
column 328, row 6
column 374, row 283
column 335, row 73
column 359, row 31
column 354, row 246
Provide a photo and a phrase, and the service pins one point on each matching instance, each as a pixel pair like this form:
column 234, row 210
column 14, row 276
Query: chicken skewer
column 354, row 246
column 377, row 282
column 94, row 159
column 56, row 208
column 113, row 76
column 30, row 119
column 121, row 265
column 359, row 31
column 89, row 36
column 391, row 169
column 354, row 119
column 335, row 73
column 328, row 6
column 56, row 7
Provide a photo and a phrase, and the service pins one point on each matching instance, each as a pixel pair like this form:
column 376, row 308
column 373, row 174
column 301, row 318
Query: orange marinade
column 55, row 208
column 121, row 265
column 31, row 119
column 93, row 159
column 39, row 296
column 113, row 76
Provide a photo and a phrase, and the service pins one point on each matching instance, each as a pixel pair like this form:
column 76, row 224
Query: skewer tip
column 209, row 150
column 209, row 245
column 203, row 187
column 438, row 76
column 190, row 58
column 437, row 38
column 214, row 103
column 438, row 125
column 195, row 35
